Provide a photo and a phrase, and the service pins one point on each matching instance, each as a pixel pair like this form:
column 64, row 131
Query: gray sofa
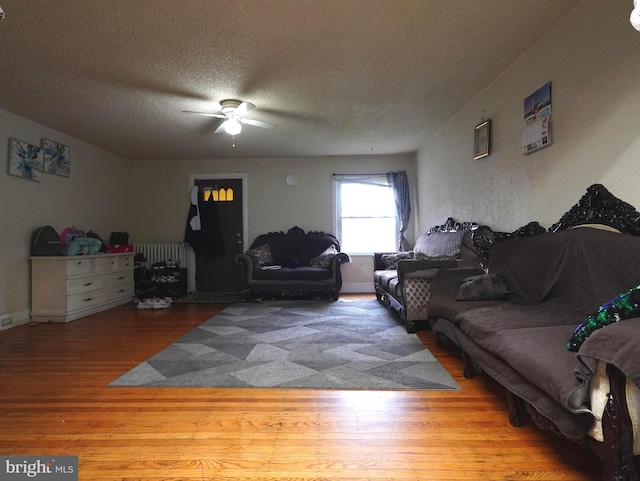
column 516, row 321
column 402, row 279
column 292, row 264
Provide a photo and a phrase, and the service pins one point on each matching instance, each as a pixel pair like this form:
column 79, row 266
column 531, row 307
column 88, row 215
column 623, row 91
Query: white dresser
column 65, row 288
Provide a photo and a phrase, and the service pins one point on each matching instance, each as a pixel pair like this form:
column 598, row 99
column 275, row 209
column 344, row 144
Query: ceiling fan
column 233, row 112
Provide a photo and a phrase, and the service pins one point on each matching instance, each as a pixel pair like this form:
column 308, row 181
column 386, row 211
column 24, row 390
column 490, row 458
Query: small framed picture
column 481, row 140
column 56, row 158
column 25, row 160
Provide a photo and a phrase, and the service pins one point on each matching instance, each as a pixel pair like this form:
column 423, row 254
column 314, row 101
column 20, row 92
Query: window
column 365, row 214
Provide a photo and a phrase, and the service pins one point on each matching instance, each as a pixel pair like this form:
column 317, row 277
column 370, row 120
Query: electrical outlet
column 6, row 320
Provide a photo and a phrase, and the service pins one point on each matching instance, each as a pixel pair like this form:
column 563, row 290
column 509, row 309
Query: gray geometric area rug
column 317, row 344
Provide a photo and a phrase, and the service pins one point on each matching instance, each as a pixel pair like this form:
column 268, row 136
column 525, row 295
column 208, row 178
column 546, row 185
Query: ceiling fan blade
column 244, row 108
column 258, row 123
column 206, row 114
column 220, row 128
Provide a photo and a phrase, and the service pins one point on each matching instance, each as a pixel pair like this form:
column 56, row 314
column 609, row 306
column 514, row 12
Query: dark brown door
column 219, row 272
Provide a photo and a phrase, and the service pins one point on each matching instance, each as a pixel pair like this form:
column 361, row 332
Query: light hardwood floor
column 54, row 400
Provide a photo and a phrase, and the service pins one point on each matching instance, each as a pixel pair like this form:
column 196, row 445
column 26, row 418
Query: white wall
column 592, row 58
column 161, row 197
column 95, row 197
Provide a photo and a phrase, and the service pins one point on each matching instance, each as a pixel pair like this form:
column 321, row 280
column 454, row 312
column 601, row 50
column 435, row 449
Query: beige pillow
column 440, row 244
column 325, row 257
column 261, row 254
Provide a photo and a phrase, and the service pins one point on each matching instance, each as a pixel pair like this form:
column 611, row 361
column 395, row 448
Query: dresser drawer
column 105, row 264
column 78, row 266
column 86, row 299
column 124, row 262
column 122, row 290
column 117, row 278
column 85, row 284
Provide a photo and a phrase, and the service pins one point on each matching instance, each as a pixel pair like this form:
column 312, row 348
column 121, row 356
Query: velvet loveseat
column 292, row 264
column 535, row 321
column 402, row 279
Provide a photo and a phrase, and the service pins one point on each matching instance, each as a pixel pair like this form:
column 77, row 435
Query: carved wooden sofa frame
column 293, row 251
column 597, row 206
column 414, row 276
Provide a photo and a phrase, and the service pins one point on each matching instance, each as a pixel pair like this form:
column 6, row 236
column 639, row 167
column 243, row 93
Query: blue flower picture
column 25, row 160
column 56, row 158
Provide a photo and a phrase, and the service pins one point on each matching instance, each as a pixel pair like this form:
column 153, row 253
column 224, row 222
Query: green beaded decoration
column 621, row 307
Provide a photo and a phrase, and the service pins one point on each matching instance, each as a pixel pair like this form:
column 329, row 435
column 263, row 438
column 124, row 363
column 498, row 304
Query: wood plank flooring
column 54, row 400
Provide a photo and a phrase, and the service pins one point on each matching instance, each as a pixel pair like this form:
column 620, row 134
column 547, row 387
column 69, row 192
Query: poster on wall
column 537, row 120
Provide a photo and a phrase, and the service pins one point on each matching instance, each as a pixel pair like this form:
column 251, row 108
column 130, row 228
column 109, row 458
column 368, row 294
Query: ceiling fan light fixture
column 232, row 126
column 635, row 15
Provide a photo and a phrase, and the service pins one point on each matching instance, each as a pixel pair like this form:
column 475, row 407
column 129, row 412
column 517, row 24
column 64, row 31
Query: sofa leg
column 410, row 326
column 470, row 368
column 617, row 450
column 516, row 410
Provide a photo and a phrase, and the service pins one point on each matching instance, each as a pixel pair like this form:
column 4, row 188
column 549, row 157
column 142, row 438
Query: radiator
column 163, row 251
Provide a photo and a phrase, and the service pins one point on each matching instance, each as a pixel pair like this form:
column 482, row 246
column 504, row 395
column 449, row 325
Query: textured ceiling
column 339, row 77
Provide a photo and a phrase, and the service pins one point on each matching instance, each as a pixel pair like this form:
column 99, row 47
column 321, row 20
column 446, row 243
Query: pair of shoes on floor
column 170, row 278
column 173, row 263
column 154, row 303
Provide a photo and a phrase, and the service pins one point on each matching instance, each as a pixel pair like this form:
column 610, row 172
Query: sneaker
column 161, row 303
column 173, row 263
column 145, row 304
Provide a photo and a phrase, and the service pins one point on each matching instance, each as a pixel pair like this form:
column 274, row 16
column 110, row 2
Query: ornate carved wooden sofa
column 292, row 264
column 541, row 295
column 402, row 279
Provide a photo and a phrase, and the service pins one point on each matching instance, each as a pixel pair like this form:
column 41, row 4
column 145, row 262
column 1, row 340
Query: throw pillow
column 482, row 287
column 623, row 306
column 261, row 254
column 440, row 243
column 325, row 257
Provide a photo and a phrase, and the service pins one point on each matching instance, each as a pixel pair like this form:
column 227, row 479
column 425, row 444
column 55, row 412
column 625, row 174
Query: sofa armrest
column 616, row 344
column 248, row 265
column 339, row 258
column 409, row 266
column 245, row 260
column 380, row 265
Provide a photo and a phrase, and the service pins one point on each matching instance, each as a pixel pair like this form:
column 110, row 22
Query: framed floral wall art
column 25, row 160
column 57, row 158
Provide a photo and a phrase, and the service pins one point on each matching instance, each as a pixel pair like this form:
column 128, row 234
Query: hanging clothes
column 194, row 211
column 203, row 231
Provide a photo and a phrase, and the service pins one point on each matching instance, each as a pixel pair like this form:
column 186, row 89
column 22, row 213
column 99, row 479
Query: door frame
column 191, row 264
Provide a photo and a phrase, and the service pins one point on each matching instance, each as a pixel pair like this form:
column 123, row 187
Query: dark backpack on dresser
column 45, row 241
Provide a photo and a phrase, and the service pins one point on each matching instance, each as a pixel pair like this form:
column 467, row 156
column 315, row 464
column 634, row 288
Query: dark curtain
column 399, row 182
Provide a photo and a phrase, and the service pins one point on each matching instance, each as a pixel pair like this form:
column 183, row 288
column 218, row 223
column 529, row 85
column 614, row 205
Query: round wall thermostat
column 292, row 179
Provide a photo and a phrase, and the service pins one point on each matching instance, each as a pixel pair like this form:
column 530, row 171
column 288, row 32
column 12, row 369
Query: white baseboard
column 14, row 319
column 357, row 287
